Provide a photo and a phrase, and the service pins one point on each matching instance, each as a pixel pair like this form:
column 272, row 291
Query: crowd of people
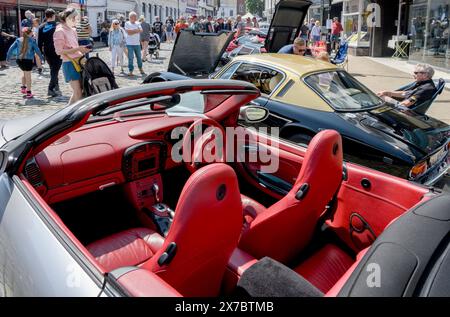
column 62, row 39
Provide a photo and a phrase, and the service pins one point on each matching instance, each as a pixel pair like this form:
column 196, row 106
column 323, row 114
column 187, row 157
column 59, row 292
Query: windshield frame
column 304, row 77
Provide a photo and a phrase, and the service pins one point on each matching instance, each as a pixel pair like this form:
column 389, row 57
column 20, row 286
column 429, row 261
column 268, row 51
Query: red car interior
column 321, row 227
column 185, row 256
column 295, row 216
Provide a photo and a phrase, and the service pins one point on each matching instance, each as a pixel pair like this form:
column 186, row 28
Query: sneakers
column 29, row 95
column 52, row 93
column 23, row 89
column 142, row 71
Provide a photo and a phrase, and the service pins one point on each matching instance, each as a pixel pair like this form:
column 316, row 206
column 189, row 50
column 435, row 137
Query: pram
column 153, row 46
column 96, row 76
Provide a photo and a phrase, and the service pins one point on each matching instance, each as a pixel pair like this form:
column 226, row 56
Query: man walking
column 336, row 29
column 133, row 30
column 158, row 28
column 47, row 47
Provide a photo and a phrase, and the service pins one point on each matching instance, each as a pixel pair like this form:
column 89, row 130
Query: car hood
column 11, row 129
column 286, row 22
column 198, row 54
column 423, row 133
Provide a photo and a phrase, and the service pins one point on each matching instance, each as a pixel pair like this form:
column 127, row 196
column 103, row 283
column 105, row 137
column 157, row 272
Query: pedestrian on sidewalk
column 145, row 37
column 316, row 31
column 28, row 21
column 133, row 30
column 5, row 39
column 25, row 48
column 84, row 32
column 36, row 23
column 116, row 42
column 170, row 24
column 47, row 47
column 67, row 47
column 158, row 27
column 336, row 29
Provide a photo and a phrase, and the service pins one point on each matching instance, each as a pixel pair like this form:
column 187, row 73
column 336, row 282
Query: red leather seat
column 284, row 229
column 127, row 248
column 203, row 235
column 325, row 267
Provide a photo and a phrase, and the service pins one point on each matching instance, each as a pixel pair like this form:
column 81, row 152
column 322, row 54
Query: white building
column 228, row 8
column 269, row 8
column 99, row 10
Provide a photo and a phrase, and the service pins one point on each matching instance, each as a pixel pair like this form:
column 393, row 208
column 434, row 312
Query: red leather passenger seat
column 127, row 248
column 324, row 268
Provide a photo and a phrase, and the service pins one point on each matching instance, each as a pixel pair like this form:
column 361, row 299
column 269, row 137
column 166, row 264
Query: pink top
column 65, row 38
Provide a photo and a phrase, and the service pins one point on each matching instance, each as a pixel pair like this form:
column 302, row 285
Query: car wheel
column 302, row 139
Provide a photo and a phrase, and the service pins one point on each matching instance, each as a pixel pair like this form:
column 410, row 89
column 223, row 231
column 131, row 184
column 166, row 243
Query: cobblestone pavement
column 13, row 104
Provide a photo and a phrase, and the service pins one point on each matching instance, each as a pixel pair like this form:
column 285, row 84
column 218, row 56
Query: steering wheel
column 210, row 141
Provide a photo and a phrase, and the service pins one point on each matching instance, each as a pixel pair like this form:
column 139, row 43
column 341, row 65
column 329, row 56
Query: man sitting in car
column 422, row 90
column 297, row 48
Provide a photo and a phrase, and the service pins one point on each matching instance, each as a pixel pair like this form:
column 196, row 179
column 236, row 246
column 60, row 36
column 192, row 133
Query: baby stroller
column 153, row 46
column 96, row 76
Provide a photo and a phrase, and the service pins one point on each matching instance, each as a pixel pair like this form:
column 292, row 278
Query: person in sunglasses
column 422, row 90
column 297, row 48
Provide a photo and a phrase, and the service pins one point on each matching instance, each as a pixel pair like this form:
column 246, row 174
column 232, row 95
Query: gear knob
column 155, row 190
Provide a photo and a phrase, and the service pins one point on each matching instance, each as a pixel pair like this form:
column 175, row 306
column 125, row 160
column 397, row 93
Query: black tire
column 302, row 139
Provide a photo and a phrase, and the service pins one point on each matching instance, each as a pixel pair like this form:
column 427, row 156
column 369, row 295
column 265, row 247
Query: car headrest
column 274, row 81
column 323, row 160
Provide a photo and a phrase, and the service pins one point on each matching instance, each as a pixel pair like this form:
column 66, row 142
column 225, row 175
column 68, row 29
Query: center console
column 142, row 165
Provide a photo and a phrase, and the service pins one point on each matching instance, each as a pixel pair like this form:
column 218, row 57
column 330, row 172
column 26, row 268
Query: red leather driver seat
column 204, row 233
column 284, row 229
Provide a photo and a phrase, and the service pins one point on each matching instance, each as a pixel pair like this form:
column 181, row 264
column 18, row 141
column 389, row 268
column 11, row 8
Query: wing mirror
column 253, row 113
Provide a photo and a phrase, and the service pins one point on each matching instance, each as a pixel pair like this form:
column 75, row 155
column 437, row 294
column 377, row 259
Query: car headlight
column 418, row 170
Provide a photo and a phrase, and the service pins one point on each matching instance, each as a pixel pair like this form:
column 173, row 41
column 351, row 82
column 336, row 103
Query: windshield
column 342, row 91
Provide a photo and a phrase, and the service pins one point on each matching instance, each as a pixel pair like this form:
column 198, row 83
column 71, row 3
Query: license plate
column 437, row 156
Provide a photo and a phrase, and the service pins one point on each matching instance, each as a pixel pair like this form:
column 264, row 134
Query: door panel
column 33, row 260
column 367, row 200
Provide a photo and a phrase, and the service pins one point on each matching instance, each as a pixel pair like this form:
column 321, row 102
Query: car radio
column 143, row 159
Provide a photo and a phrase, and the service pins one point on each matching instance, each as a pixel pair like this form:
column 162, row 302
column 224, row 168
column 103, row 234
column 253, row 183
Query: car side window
column 264, row 78
column 227, row 74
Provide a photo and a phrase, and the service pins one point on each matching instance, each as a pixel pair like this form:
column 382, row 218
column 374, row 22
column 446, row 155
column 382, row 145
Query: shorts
column 69, row 72
column 334, row 37
column 25, row 65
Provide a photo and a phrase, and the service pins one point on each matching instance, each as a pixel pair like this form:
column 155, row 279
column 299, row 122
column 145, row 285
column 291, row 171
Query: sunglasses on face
column 415, row 73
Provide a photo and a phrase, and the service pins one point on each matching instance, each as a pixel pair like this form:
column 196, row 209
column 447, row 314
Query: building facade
column 429, row 29
column 227, row 8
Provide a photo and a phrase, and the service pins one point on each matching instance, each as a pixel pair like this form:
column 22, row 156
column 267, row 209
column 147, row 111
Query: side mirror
column 253, row 114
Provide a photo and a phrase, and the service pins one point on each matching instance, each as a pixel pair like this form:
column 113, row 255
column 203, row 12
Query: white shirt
column 135, row 38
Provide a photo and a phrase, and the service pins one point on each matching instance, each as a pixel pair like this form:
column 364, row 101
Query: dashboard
column 104, row 154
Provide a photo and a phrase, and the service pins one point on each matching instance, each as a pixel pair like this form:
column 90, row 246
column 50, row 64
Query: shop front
column 8, row 16
column 354, row 23
column 429, row 30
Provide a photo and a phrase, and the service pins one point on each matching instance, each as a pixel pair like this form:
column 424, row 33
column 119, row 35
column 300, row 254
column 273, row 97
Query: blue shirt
column 287, row 49
column 29, row 54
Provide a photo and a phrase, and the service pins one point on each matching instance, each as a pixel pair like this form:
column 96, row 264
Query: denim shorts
column 69, row 72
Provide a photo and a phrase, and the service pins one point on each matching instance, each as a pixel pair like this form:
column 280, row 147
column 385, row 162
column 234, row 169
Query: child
column 25, row 49
column 35, row 37
column 116, row 42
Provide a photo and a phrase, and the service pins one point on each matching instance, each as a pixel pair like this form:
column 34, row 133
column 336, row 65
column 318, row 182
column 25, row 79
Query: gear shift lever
column 155, row 191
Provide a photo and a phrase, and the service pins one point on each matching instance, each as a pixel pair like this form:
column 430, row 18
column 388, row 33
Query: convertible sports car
column 116, row 196
column 305, row 96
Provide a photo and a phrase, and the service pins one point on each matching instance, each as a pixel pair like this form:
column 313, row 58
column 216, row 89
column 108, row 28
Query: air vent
column 33, row 173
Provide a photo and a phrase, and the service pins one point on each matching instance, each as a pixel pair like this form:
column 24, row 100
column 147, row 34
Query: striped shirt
column 83, row 30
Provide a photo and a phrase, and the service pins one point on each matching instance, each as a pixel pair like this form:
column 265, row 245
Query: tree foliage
column 255, row 6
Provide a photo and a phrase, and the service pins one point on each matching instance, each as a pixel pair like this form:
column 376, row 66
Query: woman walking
column 116, row 42
column 145, row 37
column 66, row 45
column 25, row 49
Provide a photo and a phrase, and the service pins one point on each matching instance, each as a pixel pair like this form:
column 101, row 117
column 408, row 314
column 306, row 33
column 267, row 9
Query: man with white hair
column 422, row 90
column 28, row 21
column 133, row 30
